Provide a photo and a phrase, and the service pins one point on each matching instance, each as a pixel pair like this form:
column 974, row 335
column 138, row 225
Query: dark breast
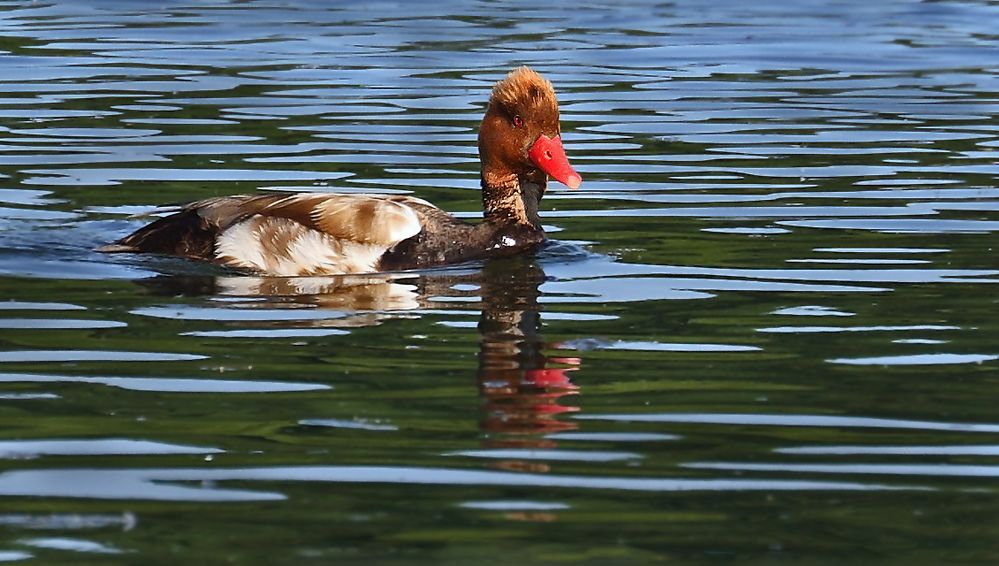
column 445, row 240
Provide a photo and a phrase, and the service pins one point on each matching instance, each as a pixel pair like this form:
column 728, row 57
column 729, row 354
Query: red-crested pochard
column 329, row 234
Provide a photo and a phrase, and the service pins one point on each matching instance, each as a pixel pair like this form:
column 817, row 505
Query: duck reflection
column 361, row 300
column 521, row 388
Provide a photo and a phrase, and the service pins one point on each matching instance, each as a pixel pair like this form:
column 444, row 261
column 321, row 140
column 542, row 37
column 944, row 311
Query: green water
column 764, row 330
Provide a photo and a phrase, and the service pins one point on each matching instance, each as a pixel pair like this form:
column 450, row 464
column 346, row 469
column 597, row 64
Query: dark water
column 766, row 329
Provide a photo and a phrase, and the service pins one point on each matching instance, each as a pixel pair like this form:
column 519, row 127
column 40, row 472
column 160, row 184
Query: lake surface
column 765, row 328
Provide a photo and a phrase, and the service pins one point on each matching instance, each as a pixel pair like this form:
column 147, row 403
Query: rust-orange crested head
column 520, row 132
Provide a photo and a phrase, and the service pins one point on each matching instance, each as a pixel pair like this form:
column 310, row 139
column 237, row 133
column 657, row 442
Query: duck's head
column 520, row 133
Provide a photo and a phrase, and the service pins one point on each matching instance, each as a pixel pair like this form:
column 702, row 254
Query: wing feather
column 366, row 219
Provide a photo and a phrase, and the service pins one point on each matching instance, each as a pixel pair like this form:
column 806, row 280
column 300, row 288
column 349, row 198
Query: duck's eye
column 518, row 122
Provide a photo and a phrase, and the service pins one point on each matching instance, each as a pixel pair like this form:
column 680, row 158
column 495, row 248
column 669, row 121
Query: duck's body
column 325, row 234
column 329, row 234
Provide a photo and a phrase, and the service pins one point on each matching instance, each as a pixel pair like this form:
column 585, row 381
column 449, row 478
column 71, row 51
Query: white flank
column 316, row 253
column 239, row 246
column 251, row 245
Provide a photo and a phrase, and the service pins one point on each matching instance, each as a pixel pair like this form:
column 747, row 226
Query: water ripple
column 917, row 360
column 164, row 484
column 823, row 421
column 16, row 449
column 169, row 384
column 20, row 356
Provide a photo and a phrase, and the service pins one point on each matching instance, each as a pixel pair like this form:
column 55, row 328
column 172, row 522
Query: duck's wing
column 366, row 219
column 301, row 234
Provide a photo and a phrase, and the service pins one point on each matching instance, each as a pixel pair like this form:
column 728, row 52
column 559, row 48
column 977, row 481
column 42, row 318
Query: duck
column 319, row 234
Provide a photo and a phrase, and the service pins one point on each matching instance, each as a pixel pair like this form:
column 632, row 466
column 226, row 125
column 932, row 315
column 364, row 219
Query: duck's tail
column 185, row 233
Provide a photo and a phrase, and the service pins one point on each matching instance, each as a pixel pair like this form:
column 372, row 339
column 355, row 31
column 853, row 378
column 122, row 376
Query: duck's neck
column 509, row 199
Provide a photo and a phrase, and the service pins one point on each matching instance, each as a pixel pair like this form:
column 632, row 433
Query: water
column 765, row 328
